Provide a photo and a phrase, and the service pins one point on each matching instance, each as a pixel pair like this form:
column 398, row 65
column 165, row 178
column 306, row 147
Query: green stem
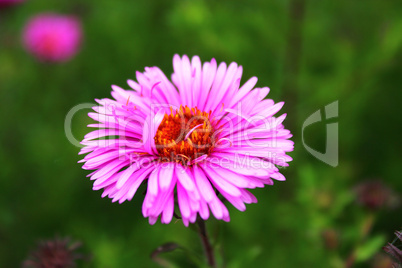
column 209, row 251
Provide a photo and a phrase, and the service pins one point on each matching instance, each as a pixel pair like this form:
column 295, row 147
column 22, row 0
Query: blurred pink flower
column 196, row 142
column 52, row 37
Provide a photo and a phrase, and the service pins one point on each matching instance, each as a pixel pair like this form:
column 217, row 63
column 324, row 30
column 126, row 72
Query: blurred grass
column 349, row 51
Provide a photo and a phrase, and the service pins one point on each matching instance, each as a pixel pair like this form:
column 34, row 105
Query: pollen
column 185, row 135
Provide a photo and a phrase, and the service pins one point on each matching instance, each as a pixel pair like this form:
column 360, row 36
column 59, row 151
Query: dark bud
column 394, row 251
column 375, row 195
column 55, row 253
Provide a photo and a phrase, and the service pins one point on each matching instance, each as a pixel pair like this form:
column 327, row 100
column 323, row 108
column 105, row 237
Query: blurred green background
column 310, row 53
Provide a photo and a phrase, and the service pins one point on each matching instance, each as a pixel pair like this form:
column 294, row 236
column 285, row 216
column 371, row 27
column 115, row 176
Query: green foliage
column 369, row 248
column 349, row 51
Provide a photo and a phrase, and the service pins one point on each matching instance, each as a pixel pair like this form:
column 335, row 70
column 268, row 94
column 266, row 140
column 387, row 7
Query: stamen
column 177, row 139
column 188, row 134
column 190, row 142
column 182, row 155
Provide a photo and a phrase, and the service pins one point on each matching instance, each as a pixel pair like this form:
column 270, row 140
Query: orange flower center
column 184, row 135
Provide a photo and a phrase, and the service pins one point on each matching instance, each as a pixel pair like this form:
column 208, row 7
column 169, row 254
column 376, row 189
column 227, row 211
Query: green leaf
column 369, row 248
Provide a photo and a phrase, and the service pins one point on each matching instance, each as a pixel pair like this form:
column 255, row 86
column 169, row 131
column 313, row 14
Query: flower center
column 184, row 135
column 50, row 44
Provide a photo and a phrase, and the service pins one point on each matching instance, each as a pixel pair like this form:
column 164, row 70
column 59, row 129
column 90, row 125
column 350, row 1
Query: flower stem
column 209, row 251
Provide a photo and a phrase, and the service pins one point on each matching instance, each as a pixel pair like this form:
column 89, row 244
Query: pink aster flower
column 196, row 142
column 52, row 37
